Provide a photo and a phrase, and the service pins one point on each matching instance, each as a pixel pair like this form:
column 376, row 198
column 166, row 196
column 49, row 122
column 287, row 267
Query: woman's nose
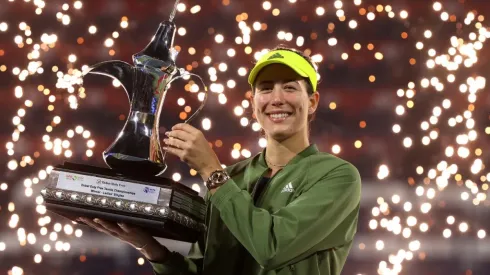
column 277, row 95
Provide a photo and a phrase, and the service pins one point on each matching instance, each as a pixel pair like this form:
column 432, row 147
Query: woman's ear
column 313, row 104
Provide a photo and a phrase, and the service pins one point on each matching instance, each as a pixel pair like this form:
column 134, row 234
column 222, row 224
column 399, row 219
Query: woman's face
column 281, row 102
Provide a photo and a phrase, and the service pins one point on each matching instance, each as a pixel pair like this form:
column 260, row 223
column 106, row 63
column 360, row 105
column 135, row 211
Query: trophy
column 132, row 189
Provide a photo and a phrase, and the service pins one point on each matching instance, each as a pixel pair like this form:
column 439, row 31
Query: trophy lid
column 161, row 45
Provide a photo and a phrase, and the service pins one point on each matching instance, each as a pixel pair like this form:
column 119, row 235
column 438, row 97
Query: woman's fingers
column 128, row 228
column 124, row 232
column 103, row 226
column 112, row 227
column 177, row 143
column 97, row 227
column 89, row 222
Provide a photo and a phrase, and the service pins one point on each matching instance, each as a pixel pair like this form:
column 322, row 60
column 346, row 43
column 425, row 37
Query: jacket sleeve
column 275, row 239
column 176, row 264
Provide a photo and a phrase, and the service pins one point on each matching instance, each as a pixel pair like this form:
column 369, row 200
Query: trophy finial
column 172, row 15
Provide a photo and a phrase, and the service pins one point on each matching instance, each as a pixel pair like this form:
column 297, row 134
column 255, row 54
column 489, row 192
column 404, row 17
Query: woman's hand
column 132, row 235
column 190, row 145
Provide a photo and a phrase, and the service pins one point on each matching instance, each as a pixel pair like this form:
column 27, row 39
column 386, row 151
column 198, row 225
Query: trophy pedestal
column 163, row 207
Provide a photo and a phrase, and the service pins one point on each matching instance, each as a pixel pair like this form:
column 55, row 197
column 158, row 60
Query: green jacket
column 304, row 221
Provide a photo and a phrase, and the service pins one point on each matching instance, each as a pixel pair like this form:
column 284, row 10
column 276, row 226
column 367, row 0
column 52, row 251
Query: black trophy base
column 180, row 218
column 157, row 228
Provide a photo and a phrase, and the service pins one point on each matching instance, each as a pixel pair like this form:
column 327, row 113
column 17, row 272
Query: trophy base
column 162, row 207
column 160, row 229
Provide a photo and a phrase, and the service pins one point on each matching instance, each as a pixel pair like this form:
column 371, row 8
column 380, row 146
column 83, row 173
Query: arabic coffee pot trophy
column 137, row 149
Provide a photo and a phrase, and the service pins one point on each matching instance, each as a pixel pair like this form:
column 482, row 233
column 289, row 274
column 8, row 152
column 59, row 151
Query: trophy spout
column 119, row 70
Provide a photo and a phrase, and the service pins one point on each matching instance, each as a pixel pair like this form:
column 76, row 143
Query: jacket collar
column 308, row 151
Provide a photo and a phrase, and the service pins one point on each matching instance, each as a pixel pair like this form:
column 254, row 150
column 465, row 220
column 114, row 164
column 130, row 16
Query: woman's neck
column 279, row 153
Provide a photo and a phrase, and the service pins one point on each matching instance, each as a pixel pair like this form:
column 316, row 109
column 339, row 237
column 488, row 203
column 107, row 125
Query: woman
column 288, row 210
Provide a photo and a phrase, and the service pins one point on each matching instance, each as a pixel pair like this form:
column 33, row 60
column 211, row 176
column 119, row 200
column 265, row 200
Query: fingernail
column 165, row 140
column 96, row 220
column 167, row 133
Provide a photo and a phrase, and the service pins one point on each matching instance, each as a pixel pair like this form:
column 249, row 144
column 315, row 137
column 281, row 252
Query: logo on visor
column 276, row 55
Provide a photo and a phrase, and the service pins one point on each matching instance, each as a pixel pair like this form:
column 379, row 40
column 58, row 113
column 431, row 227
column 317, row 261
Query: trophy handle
column 184, row 73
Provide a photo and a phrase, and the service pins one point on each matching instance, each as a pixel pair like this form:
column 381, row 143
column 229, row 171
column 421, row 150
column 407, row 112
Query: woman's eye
column 290, row 88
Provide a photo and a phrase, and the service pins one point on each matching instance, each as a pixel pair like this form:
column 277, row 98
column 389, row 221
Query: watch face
column 218, row 177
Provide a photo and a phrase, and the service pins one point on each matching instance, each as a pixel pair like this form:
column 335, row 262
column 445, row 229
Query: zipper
column 266, row 188
column 252, row 194
column 256, row 185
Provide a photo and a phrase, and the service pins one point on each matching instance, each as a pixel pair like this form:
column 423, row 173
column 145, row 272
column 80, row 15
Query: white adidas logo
column 288, row 188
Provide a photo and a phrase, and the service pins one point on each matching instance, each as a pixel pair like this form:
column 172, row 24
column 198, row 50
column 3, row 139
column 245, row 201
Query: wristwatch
column 217, row 178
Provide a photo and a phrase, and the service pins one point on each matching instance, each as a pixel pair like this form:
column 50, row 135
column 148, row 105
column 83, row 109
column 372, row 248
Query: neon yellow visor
column 288, row 58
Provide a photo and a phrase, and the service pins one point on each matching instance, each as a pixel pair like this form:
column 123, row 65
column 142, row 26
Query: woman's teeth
column 277, row 116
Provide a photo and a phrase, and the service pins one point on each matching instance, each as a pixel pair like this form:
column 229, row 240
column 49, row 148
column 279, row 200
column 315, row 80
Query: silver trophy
column 137, row 149
column 131, row 191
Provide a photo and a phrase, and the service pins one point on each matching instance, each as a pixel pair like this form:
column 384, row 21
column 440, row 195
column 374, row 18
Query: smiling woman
column 292, row 83
column 281, row 103
column 290, row 209
column 295, row 74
